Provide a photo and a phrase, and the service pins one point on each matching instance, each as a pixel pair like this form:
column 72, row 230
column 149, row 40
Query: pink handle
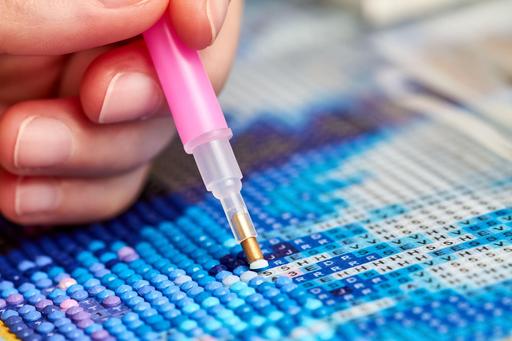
column 189, row 92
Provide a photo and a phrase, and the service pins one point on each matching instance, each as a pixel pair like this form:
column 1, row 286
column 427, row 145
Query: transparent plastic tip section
column 222, row 176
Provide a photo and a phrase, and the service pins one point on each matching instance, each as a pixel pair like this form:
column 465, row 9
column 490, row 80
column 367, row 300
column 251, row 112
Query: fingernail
column 130, row 96
column 42, row 142
column 216, row 12
column 121, row 3
column 34, row 197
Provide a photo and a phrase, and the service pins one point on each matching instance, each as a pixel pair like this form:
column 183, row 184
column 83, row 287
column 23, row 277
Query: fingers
column 54, row 138
column 43, row 201
column 62, row 26
column 219, row 57
column 198, row 22
column 121, row 85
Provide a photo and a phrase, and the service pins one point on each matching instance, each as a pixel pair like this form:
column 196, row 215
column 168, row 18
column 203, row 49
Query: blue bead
column 79, row 295
column 221, row 275
column 145, row 289
column 213, row 286
column 60, row 299
column 32, row 316
column 55, row 337
column 65, row 327
column 61, row 322
column 140, row 284
column 281, row 281
column 90, row 283
column 210, row 302
column 195, row 291
column 44, row 283
column 6, row 285
column 128, row 295
column 130, row 317
column 135, row 301
column 25, row 287
column 56, row 292
column 104, row 294
column 30, row 292
column 12, row 320
column 26, row 309
column 122, row 289
column 92, row 328
column 221, row 292
column 56, row 315
column 45, row 328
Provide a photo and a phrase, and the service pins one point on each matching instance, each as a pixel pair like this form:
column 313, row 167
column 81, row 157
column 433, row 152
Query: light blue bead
column 247, row 291
column 139, row 284
column 153, row 296
column 182, row 279
column 221, row 275
column 187, row 325
column 112, row 322
column 30, row 293
column 210, row 302
column 177, row 296
column 257, row 320
column 74, row 288
column 238, row 286
column 313, row 304
column 237, row 302
column 140, row 307
column 92, row 328
column 90, row 283
column 275, row 315
column 36, row 276
column 128, row 295
column 135, row 301
column 289, row 287
column 8, row 291
column 190, row 308
column 281, row 281
column 104, row 294
column 213, row 286
column 123, row 289
column 130, row 317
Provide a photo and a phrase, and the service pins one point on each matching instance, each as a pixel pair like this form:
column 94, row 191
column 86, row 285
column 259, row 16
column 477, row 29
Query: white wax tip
column 258, row 264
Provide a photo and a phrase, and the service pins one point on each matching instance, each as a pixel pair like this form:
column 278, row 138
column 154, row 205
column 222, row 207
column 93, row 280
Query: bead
column 68, row 303
column 14, row 299
column 45, row 328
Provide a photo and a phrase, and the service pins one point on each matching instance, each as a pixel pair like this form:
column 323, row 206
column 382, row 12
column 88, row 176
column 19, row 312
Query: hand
column 81, row 112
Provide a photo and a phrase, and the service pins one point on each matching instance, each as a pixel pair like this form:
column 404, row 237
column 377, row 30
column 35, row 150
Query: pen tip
column 258, row 264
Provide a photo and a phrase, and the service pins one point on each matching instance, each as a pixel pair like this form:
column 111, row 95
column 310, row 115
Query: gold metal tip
column 243, row 225
column 252, row 249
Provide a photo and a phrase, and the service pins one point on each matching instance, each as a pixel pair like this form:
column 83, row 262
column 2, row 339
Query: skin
column 57, row 59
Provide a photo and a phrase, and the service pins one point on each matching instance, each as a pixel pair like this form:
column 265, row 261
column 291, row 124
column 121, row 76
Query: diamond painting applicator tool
column 203, row 129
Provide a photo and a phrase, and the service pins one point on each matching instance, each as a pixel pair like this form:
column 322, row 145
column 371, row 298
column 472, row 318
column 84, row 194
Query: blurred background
column 451, row 60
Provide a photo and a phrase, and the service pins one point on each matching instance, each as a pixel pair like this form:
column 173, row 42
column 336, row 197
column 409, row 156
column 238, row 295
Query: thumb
column 62, row 26
column 198, row 22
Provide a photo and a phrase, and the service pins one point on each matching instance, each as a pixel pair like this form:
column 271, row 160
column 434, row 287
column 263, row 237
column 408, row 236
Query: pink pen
column 203, row 129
